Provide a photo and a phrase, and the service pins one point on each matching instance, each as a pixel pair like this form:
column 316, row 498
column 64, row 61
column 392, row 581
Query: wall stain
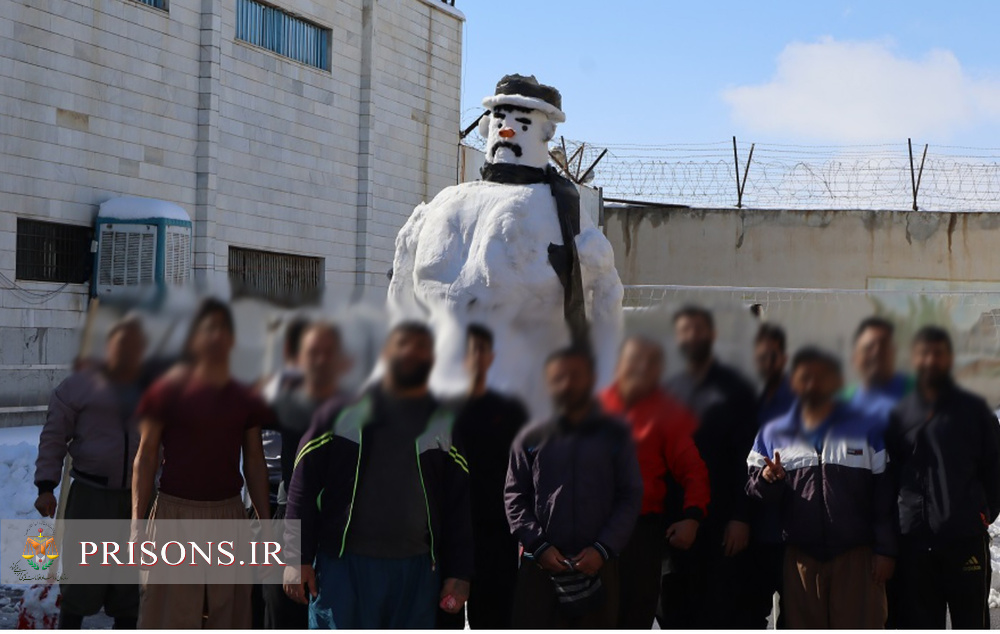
column 743, row 230
column 952, row 221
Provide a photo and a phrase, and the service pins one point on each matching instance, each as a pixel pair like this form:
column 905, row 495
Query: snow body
column 478, row 253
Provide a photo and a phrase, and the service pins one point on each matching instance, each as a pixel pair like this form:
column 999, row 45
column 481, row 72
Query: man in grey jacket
column 573, row 495
column 91, row 416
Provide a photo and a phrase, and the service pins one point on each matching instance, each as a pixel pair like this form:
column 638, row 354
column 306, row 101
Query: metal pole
column 746, row 171
column 920, row 175
column 913, row 176
column 736, row 161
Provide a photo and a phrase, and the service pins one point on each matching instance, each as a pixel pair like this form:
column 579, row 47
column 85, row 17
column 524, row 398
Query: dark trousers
column 491, row 594
column 706, row 589
column 639, row 570
column 536, row 606
column 120, row 601
column 954, row 577
column 368, row 593
column 769, row 565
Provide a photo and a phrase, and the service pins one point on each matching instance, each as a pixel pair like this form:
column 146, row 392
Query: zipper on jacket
column 822, row 487
column 354, row 493
column 427, row 504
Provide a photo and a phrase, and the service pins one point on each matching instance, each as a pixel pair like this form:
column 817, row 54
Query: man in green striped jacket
column 382, row 494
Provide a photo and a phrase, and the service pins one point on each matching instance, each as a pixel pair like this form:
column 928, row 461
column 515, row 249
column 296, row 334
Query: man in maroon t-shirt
column 203, row 420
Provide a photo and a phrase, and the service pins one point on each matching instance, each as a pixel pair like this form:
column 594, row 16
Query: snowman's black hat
column 526, row 92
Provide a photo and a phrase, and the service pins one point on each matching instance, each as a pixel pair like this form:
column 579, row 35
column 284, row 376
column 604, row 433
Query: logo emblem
column 40, row 551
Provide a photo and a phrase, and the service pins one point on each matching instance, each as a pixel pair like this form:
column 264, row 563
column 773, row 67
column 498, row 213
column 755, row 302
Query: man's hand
column 735, row 538
column 681, row 535
column 551, row 560
column 296, row 588
column 773, row 471
column 46, row 504
column 882, row 568
column 454, row 594
column 589, row 561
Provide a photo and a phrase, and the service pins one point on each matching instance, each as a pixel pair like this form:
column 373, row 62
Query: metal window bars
column 283, row 33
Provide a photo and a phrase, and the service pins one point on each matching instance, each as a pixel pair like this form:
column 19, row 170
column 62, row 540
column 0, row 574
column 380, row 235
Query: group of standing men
column 693, row 502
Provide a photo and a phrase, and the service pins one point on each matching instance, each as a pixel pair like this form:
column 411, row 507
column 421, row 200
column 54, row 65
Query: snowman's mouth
column 514, row 147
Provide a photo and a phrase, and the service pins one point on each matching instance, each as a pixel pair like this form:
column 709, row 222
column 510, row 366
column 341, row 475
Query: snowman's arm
column 402, row 299
column 603, row 292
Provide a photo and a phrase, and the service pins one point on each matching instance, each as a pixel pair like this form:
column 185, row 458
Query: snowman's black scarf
column 563, row 257
column 511, row 174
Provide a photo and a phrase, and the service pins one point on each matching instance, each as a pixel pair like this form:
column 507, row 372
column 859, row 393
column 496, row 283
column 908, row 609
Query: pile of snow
column 17, row 474
column 39, row 608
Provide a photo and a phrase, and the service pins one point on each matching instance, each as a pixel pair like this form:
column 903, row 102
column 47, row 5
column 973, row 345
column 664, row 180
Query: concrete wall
column 800, row 249
column 916, row 267
column 105, row 98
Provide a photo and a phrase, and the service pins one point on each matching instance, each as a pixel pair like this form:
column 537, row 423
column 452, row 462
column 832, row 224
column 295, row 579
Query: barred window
column 53, row 252
column 156, row 4
column 286, row 280
column 283, row 33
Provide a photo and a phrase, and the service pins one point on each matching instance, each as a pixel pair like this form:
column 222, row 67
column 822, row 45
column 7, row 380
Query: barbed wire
column 788, row 176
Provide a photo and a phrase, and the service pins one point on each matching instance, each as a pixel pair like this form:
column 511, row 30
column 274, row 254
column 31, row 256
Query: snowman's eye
column 525, row 128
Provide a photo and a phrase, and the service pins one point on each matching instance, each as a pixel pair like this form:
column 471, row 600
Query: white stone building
column 305, row 129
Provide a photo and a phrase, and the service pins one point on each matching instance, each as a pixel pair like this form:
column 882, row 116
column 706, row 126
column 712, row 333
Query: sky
column 667, row 72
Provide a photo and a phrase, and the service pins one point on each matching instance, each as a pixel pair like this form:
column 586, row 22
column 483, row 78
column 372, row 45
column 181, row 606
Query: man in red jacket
column 662, row 430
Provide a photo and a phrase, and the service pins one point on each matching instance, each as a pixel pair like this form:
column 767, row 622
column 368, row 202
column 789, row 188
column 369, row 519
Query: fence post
column 741, row 184
column 915, row 176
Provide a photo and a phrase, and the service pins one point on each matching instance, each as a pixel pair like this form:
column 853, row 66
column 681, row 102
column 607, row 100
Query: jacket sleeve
column 686, row 466
column 457, row 555
column 886, row 512
column 53, row 443
column 519, row 499
column 989, row 464
column 757, row 487
column 307, row 482
column 628, row 498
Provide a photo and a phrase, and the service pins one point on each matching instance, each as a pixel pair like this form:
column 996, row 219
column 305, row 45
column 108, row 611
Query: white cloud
column 856, row 92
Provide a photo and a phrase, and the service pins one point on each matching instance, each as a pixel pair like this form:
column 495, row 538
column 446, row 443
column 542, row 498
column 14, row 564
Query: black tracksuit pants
column 954, row 577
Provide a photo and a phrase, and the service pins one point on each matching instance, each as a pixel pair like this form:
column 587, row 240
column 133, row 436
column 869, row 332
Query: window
column 287, row 280
column 156, row 4
column 283, row 33
column 53, row 252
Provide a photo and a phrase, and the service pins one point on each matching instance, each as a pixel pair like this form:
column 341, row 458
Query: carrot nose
column 506, row 133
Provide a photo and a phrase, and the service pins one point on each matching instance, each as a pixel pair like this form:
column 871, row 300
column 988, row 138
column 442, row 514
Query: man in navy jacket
column 573, row 496
column 824, row 464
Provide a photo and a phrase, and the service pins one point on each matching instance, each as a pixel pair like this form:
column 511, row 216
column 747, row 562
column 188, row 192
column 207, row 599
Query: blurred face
column 816, row 383
column 320, row 356
column 478, row 357
column 640, row 367
column 213, row 339
column 410, row 358
column 769, row 359
column 570, row 382
column 874, row 355
column 932, row 363
column 694, row 338
column 125, row 349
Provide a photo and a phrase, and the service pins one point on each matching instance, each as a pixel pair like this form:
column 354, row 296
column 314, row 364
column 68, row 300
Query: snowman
column 511, row 252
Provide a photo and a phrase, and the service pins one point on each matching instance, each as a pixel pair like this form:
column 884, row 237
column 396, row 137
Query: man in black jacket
column 485, row 428
column 944, row 446
column 573, row 496
column 708, row 586
column 383, row 525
